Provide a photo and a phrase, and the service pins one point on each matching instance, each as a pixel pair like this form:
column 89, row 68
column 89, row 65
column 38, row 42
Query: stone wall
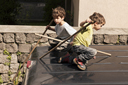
column 19, row 45
column 107, row 39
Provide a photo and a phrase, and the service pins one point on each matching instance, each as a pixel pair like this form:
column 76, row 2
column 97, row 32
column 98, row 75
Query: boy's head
column 98, row 19
column 58, row 11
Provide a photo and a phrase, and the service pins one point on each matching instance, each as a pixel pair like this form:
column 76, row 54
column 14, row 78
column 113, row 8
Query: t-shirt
column 84, row 37
column 64, row 31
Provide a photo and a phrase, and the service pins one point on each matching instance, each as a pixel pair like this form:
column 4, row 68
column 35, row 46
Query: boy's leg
column 72, row 59
column 67, row 57
column 76, row 60
column 85, row 53
column 52, row 43
column 64, row 59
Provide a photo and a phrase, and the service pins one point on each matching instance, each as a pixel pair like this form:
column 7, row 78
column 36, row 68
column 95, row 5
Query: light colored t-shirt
column 84, row 37
column 64, row 31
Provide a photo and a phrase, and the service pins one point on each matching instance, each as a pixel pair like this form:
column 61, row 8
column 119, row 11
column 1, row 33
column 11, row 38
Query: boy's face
column 97, row 26
column 58, row 19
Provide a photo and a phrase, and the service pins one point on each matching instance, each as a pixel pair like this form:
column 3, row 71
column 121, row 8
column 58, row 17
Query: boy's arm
column 86, row 21
column 82, row 23
column 50, row 28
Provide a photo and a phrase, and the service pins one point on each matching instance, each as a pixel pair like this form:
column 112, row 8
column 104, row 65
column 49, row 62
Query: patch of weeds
column 6, row 52
column 18, row 53
column 17, row 78
column 118, row 41
column 7, row 63
column 9, row 72
column 9, row 57
column 1, row 80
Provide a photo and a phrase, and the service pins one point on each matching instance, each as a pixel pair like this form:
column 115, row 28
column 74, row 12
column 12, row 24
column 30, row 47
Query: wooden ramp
column 104, row 70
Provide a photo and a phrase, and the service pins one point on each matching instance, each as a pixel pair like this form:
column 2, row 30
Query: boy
column 81, row 42
column 62, row 28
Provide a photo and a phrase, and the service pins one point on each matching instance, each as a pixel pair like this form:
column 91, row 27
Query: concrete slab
column 41, row 29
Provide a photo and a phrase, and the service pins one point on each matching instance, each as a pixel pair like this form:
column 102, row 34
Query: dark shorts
column 53, row 43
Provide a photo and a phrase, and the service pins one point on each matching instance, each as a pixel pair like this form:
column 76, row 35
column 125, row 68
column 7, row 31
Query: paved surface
column 105, row 70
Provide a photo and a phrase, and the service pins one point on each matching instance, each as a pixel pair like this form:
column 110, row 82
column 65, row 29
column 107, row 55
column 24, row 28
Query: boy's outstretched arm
column 50, row 28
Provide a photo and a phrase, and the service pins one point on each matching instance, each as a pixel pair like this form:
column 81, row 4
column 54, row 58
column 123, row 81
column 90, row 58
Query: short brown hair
column 58, row 11
column 98, row 18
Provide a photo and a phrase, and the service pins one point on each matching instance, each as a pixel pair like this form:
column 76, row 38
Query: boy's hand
column 48, row 27
column 88, row 20
column 71, row 43
column 94, row 57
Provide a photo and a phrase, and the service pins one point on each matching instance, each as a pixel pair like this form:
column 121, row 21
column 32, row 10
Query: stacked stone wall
column 19, row 46
column 110, row 39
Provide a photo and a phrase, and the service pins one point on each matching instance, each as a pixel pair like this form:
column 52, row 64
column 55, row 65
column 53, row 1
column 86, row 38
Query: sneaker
column 64, row 59
column 79, row 64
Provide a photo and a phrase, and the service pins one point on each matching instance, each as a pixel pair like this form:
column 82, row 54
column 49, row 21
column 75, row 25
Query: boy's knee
column 92, row 51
